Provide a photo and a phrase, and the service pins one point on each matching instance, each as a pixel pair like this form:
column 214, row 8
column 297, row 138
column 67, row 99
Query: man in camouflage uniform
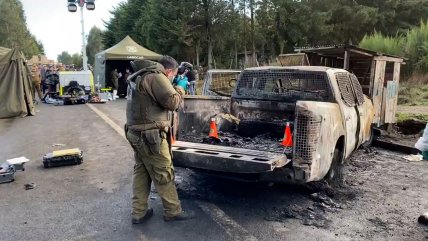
column 37, row 81
column 150, row 101
column 115, row 81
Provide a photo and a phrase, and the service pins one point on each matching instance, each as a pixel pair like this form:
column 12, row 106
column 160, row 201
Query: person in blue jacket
column 181, row 78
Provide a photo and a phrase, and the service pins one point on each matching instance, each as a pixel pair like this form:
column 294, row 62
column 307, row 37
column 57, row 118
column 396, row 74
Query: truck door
column 349, row 112
column 364, row 111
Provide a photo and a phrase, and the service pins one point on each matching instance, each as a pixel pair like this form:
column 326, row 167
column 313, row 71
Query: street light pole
column 72, row 7
column 85, row 58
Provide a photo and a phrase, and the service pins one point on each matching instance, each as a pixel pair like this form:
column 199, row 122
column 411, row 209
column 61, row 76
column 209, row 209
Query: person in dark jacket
column 150, row 101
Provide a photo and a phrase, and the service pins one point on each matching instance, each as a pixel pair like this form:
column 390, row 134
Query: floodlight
column 72, row 7
column 90, row 6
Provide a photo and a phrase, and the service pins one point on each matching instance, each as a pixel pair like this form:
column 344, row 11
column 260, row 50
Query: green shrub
column 384, row 44
column 413, row 46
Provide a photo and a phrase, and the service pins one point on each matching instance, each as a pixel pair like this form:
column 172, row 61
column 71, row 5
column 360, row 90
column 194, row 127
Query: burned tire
column 335, row 175
column 374, row 133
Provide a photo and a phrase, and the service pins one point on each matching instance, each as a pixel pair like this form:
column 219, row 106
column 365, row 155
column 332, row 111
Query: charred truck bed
column 251, row 125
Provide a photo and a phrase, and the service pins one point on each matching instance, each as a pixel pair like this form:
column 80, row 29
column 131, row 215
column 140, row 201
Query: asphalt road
column 382, row 200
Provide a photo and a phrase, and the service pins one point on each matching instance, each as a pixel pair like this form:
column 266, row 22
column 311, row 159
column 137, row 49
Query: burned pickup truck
column 324, row 109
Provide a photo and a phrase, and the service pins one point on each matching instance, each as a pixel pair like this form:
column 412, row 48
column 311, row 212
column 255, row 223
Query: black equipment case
column 63, row 158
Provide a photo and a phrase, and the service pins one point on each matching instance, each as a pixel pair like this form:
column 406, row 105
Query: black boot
column 148, row 215
column 180, row 217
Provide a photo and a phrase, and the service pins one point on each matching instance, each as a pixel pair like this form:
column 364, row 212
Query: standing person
column 37, row 81
column 127, row 74
column 115, row 81
column 191, row 77
column 43, row 73
column 181, row 78
column 151, row 98
column 121, row 92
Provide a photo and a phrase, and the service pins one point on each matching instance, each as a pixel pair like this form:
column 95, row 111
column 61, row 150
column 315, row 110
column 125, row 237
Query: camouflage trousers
column 152, row 164
column 37, row 88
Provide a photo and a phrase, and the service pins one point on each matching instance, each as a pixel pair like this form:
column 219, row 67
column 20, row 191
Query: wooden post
column 372, row 77
column 377, row 94
column 396, row 78
column 390, row 102
column 384, row 105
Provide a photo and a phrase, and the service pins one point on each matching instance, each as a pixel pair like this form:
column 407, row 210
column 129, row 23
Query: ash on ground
column 313, row 208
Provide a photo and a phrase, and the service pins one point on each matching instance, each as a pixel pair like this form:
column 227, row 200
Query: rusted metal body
column 324, row 118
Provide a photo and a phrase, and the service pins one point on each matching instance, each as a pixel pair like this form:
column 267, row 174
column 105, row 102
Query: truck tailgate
column 225, row 159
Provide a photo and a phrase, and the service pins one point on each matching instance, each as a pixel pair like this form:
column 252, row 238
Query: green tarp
column 16, row 99
column 128, row 49
column 125, row 50
column 4, row 51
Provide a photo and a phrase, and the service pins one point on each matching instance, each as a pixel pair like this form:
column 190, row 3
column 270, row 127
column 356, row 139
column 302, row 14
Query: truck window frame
column 346, row 89
column 358, row 90
column 330, row 99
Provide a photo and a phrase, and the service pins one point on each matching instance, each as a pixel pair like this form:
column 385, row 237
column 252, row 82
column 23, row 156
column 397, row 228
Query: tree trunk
column 282, row 46
column 245, row 37
column 208, row 30
column 253, row 40
column 210, row 54
column 197, row 53
column 263, row 55
column 236, row 55
column 273, row 53
column 215, row 65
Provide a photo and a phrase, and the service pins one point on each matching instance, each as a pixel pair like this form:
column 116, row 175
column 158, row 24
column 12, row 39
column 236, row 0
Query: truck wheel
column 335, row 174
column 374, row 133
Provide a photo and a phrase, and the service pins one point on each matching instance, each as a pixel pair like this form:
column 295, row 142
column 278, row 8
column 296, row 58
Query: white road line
column 112, row 124
column 232, row 228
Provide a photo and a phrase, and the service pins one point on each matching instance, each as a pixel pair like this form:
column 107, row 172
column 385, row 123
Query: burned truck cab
column 252, row 122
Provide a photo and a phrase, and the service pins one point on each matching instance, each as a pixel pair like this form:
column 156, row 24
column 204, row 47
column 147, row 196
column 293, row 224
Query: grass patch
column 413, row 95
column 401, row 117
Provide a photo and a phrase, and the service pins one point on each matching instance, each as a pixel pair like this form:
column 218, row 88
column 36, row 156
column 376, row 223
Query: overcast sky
column 60, row 30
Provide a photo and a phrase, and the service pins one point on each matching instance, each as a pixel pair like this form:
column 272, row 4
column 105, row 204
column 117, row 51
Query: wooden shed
column 378, row 73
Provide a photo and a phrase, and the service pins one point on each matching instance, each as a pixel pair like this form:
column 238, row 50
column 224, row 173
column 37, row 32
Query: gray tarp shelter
column 119, row 56
column 16, row 98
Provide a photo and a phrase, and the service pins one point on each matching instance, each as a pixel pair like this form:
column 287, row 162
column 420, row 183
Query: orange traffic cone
column 213, row 129
column 288, row 139
column 172, row 140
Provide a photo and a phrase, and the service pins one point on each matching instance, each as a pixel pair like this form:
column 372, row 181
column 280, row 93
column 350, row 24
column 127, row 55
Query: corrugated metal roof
column 305, row 68
column 339, row 50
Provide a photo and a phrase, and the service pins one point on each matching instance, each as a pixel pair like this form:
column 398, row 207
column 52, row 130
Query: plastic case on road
column 63, row 158
column 7, row 173
column 18, row 163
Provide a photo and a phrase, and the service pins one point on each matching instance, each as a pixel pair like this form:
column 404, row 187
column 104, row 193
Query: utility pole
column 72, row 7
column 85, row 58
